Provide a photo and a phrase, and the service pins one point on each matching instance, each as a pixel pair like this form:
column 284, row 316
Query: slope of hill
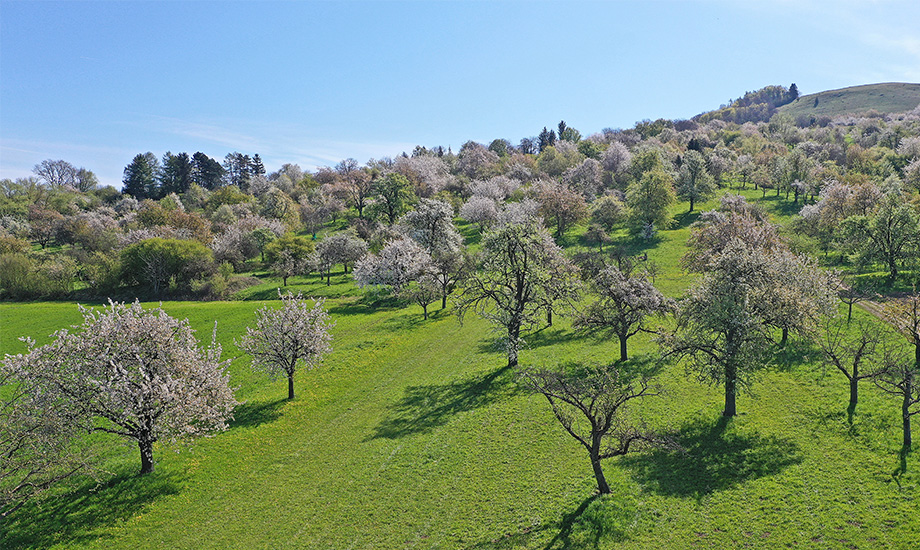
column 891, row 97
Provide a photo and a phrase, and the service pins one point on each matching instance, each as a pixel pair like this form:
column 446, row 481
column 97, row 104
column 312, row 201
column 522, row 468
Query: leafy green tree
column 727, row 320
column 649, row 200
column 300, row 247
column 85, row 181
column 155, row 262
column 276, row 204
column 262, row 236
column 394, row 196
column 694, row 182
column 890, row 234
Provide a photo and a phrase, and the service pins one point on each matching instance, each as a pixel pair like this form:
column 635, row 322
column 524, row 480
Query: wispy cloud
column 276, row 143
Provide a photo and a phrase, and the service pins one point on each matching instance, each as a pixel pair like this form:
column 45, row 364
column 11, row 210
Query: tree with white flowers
column 135, row 373
column 285, row 339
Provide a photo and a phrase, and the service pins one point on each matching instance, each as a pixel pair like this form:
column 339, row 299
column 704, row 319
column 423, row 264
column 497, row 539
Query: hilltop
column 890, row 97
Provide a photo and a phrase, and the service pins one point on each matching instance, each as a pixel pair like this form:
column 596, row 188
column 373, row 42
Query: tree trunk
column 549, row 316
column 425, row 311
column 854, row 392
column 285, row 280
column 730, row 389
column 329, row 277
column 145, row 443
column 905, row 415
column 785, row 338
column 291, row 386
column 602, row 486
column 691, row 204
column 623, row 347
column 514, row 333
column 443, row 299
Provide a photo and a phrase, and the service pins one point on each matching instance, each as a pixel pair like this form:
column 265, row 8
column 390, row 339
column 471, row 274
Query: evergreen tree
column 206, row 172
column 547, row 138
column 176, row 174
column 140, row 177
column 256, row 167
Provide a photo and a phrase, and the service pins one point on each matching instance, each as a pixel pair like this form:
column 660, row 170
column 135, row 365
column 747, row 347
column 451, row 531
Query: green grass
column 893, row 97
column 412, row 435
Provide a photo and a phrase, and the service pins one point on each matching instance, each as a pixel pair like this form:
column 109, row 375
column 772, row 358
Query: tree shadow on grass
column 598, row 518
column 424, row 408
column 79, row 517
column 714, row 457
column 686, row 219
column 796, row 352
column 368, row 303
column 546, row 336
column 250, row 415
column 408, row 321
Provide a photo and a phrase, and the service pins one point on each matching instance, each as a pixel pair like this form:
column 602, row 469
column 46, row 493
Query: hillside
column 413, row 435
column 891, row 97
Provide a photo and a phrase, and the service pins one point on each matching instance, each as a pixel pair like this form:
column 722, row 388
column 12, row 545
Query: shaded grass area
column 424, row 408
column 82, row 516
column 712, row 458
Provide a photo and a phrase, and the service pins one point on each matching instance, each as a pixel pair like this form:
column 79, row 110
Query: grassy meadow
column 413, row 435
column 892, row 97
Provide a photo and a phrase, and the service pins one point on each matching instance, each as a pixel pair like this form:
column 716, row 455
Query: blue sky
column 95, row 83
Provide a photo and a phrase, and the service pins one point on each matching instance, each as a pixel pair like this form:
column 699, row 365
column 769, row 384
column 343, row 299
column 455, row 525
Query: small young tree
column 560, row 205
column 296, row 335
column 135, row 373
column 900, row 379
column 590, row 403
column 855, row 356
column 626, row 300
column 424, row 292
